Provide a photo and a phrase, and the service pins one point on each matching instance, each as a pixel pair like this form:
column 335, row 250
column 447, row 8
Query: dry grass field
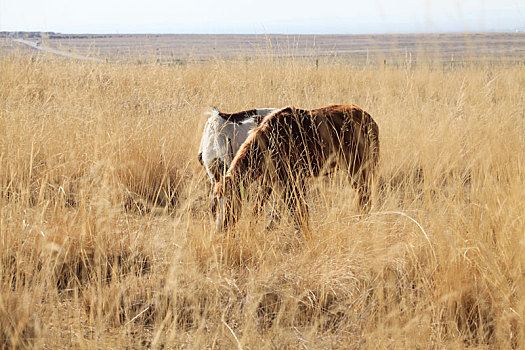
column 106, row 240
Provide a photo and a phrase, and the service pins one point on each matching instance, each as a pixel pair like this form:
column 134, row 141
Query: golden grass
column 106, row 240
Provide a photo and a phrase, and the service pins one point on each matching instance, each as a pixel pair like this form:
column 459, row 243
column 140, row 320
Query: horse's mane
column 237, row 117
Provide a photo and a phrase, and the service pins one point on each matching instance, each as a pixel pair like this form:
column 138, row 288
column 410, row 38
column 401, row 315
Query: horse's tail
column 372, row 135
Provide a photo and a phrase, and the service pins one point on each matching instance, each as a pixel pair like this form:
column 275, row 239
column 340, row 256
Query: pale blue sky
column 261, row 16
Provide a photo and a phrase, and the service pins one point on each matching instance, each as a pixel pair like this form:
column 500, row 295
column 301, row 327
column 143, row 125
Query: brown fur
column 291, row 145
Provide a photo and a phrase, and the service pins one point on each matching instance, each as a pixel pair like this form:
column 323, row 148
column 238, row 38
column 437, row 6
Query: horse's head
column 226, row 202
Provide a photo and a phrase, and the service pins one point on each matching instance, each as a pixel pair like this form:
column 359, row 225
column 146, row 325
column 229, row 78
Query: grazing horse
column 290, row 146
column 223, row 135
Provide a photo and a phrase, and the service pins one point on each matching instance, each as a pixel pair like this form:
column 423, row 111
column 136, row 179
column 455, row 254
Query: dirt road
column 38, row 46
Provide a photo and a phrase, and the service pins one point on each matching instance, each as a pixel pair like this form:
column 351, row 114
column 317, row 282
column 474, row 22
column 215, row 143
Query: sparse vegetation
column 106, row 240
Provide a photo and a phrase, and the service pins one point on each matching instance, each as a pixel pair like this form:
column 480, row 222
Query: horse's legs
column 275, row 215
column 361, row 182
column 263, row 195
column 294, row 197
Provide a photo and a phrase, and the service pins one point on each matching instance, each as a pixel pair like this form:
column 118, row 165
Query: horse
column 290, row 146
column 222, row 137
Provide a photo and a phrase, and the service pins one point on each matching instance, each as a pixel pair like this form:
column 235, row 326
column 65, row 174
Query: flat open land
column 107, row 240
column 178, row 48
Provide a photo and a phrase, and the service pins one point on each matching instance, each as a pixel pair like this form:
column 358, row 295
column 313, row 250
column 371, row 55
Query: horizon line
column 517, row 30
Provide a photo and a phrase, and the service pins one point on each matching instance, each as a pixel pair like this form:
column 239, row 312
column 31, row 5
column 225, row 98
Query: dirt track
column 38, row 46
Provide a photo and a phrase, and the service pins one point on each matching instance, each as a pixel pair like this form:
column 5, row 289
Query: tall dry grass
column 106, row 240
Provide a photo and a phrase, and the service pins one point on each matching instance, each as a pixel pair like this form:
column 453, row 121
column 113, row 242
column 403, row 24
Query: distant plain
column 184, row 47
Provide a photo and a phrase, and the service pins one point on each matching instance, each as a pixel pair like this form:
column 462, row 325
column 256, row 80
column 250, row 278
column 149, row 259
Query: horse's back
column 348, row 131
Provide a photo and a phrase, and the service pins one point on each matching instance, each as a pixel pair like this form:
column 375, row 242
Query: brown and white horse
column 290, row 146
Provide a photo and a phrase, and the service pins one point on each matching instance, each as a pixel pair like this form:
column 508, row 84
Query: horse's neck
column 249, row 166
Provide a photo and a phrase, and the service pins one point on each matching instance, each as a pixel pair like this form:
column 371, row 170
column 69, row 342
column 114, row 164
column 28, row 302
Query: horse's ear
column 213, row 111
column 200, row 158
